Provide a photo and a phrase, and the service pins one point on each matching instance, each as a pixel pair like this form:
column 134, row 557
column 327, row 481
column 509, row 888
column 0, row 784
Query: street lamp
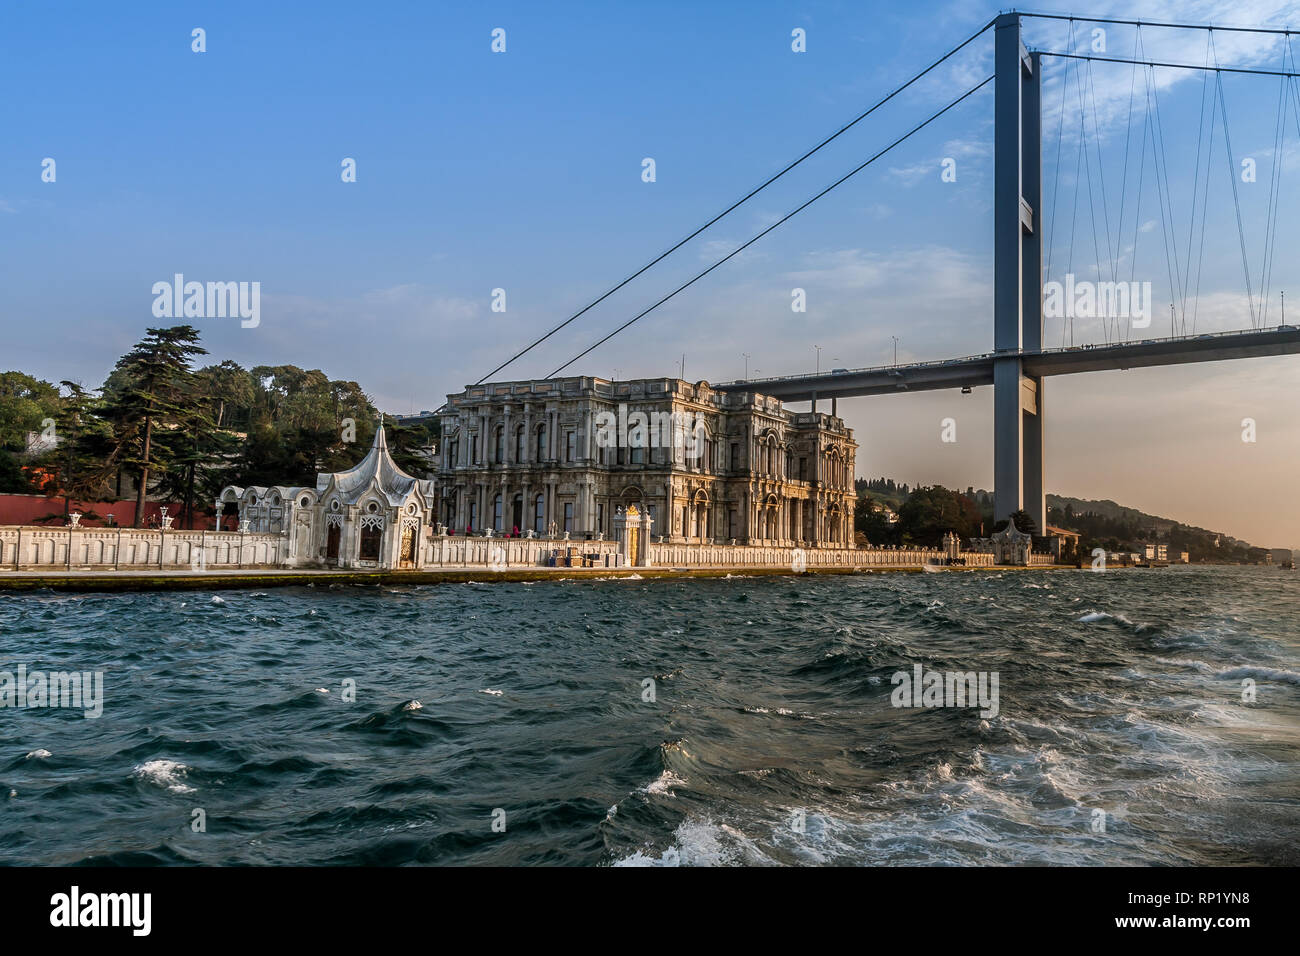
column 819, row 357
column 746, row 354
column 895, row 338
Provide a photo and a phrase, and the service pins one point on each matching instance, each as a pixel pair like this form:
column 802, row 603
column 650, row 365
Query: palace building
column 573, row 455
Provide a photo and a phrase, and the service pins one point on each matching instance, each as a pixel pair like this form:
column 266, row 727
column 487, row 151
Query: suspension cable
column 915, row 129
column 751, row 194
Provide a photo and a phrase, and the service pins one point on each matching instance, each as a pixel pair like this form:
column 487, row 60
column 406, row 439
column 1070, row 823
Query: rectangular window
column 473, row 450
column 568, row 516
column 600, row 516
column 735, row 456
column 638, row 456
column 570, row 446
column 803, row 469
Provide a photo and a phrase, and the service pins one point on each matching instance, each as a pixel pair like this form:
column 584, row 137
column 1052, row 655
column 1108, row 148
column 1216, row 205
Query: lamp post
column 746, row 354
column 819, row 358
column 895, row 338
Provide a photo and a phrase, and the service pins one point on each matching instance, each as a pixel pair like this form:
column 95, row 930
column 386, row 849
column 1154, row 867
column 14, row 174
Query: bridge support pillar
column 1018, row 424
column 1018, row 442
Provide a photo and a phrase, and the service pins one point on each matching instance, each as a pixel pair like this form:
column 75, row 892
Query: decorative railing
column 26, row 548
column 29, row 548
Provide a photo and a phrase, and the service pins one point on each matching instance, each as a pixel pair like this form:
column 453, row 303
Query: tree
column 229, row 390
column 156, row 389
column 81, row 458
column 411, row 445
column 930, row 512
column 27, row 404
column 870, row 519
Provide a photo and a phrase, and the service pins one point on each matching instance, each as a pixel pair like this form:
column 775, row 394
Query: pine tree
column 155, row 389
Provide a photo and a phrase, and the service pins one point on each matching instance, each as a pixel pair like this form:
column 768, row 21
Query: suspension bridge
column 1018, row 364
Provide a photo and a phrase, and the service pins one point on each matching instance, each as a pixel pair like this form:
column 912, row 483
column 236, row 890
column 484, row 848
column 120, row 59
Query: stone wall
column 31, row 548
column 757, row 556
column 500, row 553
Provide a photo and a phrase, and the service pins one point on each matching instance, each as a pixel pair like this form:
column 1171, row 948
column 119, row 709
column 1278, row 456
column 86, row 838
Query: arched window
column 539, row 514
column 497, row 516
column 541, row 443
column 372, row 532
column 519, row 444
column 499, row 445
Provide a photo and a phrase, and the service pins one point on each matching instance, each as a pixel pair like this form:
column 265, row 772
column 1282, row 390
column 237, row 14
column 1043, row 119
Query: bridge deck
column 974, row 370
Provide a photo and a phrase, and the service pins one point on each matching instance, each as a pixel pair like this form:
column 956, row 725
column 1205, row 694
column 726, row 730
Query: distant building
column 1282, row 557
column 572, row 454
column 1063, row 540
column 1155, row 552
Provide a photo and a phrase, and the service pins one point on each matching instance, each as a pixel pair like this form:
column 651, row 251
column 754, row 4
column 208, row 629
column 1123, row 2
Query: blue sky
column 522, row 170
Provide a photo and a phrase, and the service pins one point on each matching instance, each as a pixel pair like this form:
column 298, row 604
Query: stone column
column 507, row 440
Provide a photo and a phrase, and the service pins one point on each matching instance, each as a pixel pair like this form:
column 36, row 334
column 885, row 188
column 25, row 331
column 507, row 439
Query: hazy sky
column 522, row 171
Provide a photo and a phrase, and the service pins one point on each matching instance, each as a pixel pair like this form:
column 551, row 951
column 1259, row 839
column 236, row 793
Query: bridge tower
column 1018, row 408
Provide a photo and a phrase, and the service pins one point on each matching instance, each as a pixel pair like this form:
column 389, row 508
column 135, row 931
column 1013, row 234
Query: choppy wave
column 1143, row 719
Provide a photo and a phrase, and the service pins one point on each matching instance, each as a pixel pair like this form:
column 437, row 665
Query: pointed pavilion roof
column 377, row 470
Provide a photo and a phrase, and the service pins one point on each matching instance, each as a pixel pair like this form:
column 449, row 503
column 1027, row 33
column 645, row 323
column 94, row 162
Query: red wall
column 25, row 509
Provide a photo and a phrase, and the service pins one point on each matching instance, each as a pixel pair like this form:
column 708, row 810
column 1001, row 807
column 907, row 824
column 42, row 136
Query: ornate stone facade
column 534, row 456
column 372, row 516
column 1008, row 546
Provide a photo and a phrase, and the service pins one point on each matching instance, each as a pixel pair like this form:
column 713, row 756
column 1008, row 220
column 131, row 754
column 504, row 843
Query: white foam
column 413, row 705
column 494, row 693
column 1092, row 617
column 39, row 754
column 663, row 783
column 164, row 773
column 1263, row 673
column 701, row 843
column 217, row 599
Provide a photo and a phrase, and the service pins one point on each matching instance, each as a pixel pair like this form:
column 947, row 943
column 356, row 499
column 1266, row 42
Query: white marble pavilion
column 372, row 516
